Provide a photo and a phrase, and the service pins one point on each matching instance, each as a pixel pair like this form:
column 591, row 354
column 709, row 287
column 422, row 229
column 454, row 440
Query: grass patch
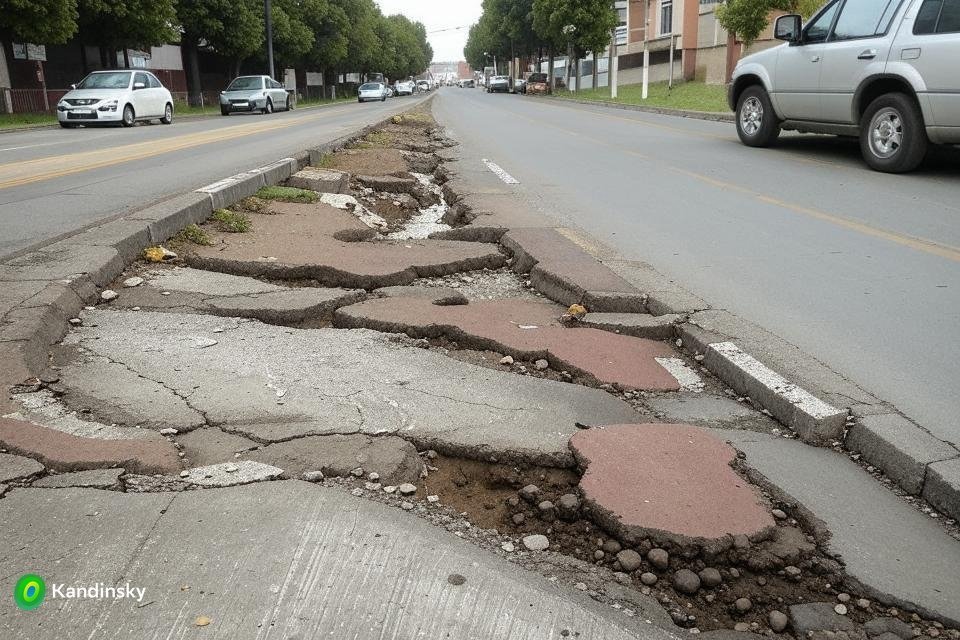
column 231, row 221
column 375, row 139
column 287, row 194
column 693, row 96
column 22, row 120
column 253, row 203
column 326, row 161
column 196, row 235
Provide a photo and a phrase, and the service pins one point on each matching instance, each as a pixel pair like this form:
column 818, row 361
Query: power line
column 466, row 26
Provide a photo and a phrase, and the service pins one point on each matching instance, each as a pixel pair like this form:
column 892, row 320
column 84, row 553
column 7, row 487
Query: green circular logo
column 29, row 592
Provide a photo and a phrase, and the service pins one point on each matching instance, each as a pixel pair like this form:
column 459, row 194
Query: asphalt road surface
column 54, row 182
column 859, row 269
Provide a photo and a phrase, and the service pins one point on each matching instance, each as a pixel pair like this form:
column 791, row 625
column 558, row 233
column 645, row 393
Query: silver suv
column 886, row 71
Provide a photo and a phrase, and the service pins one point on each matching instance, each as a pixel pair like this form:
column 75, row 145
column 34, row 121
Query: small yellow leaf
column 202, row 621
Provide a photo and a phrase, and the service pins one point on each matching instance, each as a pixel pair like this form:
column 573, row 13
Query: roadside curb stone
column 899, row 447
column 942, row 488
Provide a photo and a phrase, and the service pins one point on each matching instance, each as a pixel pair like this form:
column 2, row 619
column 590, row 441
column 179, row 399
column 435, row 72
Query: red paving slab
column 525, row 329
column 67, row 452
column 301, row 241
column 668, row 481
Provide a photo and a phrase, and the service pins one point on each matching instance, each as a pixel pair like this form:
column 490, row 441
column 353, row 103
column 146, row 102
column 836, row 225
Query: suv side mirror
column 787, row 28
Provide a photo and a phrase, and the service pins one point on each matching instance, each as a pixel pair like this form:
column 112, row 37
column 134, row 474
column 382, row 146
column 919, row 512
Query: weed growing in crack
column 231, row 221
column 194, row 234
column 287, row 194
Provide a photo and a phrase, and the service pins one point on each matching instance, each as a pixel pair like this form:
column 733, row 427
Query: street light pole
column 268, row 17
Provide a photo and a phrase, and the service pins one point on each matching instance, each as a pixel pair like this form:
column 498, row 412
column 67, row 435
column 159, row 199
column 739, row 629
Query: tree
column 747, row 19
column 123, row 24
column 591, row 22
column 231, row 28
column 38, row 21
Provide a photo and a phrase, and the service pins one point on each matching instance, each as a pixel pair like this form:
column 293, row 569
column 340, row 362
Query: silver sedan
column 254, row 93
column 372, row 91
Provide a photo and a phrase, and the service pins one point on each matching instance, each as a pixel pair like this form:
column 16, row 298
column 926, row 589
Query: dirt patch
column 486, row 285
column 378, row 161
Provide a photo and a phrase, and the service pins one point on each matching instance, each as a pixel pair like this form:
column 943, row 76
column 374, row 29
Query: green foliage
column 232, row 28
column 120, row 24
column 194, row 234
column 287, row 194
column 593, row 20
column 40, row 21
column 231, row 221
column 748, row 18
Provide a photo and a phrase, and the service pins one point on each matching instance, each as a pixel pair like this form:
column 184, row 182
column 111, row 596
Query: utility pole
column 646, row 52
column 612, row 59
column 268, row 17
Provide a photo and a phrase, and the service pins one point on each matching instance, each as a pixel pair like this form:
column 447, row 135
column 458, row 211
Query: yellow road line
column 15, row 174
column 918, row 244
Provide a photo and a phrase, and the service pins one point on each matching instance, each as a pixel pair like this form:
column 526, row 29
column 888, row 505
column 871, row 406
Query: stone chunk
column 818, row 616
column 389, row 184
column 228, row 474
column 320, row 180
column 536, row 542
column 630, row 560
column 211, row 446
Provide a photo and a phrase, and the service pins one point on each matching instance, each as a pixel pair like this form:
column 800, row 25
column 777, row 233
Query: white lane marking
column 503, row 175
column 797, row 396
column 688, row 378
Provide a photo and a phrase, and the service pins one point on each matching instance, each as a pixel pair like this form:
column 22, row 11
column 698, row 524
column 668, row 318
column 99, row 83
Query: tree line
column 331, row 36
column 512, row 28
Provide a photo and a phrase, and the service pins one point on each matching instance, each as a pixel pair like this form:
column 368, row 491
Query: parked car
column 372, row 91
column 122, row 97
column 881, row 71
column 537, row 84
column 254, row 93
column 519, row 85
column 467, row 83
column 405, row 88
column 498, row 84
column 423, row 86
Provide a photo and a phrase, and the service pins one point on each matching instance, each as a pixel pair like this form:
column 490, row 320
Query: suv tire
column 757, row 123
column 892, row 136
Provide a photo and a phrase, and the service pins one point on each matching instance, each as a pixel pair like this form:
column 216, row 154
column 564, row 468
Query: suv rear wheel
column 757, row 124
column 892, row 135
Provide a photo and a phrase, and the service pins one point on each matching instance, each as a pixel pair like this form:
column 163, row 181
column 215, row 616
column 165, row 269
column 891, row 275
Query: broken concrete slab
column 389, row 184
column 65, row 452
column 229, row 474
column 707, row 410
column 942, row 488
column 664, row 296
column 363, row 570
column 285, row 307
column 395, row 459
column 669, row 482
column 94, row 479
column 891, row 551
column 65, row 261
column 899, row 447
column 209, row 446
column 114, row 394
column 566, row 273
column 522, row 329
column 320, row 180
column 271, row 384
column 639, row 325
column 46, row 409
column 17, row 467
column 208, row 283
column 301, row 242
column 370, row 162
column 442, row 296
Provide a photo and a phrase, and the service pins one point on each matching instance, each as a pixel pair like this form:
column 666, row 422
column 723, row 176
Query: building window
column 666, row 17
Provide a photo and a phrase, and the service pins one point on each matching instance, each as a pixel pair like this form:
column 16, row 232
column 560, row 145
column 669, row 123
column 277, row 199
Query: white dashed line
column 688, row 378
column 503, row 175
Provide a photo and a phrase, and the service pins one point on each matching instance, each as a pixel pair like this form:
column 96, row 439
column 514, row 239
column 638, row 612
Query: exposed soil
column 486, row 285
column 374, row 161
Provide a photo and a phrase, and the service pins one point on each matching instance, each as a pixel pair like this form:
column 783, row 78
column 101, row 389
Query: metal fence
column 34, row 100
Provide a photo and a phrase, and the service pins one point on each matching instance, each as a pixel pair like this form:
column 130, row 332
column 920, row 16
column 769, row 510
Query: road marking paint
column 800, row 398
column 688, row 378
column 503, row 175
column 919, row 244
column 15, row 174
column 583, row 241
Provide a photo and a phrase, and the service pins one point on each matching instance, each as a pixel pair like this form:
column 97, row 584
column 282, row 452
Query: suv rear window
column 863, row 19
column 937, row 16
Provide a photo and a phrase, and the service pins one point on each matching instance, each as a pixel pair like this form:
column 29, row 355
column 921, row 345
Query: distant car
column 498, row 84
column 423, row 85
column 372, row 91
column 537, row 84
column 467, row 83
column 122, row 97
column 520, row 85
column 390, row 92
column 405, row 88
column 254, row 93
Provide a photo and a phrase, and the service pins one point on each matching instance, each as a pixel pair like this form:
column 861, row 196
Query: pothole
column 486, row 285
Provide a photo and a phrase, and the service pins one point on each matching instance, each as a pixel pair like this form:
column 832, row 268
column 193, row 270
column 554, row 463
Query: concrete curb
column 664, row 111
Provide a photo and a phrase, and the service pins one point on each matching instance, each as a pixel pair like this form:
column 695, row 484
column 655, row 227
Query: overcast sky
column 442, row 17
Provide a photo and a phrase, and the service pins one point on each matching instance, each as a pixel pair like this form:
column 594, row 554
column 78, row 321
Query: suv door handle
column 814, row 58
column 867, row 54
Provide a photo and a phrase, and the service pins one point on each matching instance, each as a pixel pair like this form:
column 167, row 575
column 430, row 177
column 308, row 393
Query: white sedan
column 372, row 91
column 116, row 97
